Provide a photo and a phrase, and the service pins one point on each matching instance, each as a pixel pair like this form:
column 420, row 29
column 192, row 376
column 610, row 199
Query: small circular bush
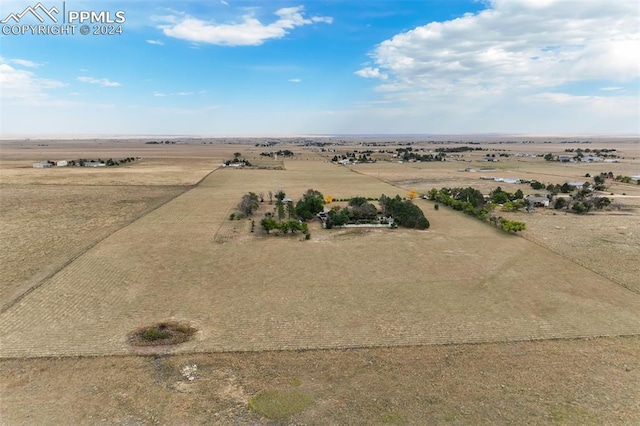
column 163, row 333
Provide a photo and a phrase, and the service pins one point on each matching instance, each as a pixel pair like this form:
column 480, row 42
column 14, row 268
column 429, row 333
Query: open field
column 143, row 256
column 557, row 382
column 42, row 227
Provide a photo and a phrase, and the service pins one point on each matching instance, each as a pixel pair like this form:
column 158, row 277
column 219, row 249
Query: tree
column 518, row 195
column 412, row 194
column 236, row 155
column 512, row 206
column 560, row 203
column 512, row 225
column 248, row 204
column 291, row 211
column 357, row 201
column 405, row 213
column 601, row 202
column 365, row 211
column 566, row 188
column 328, row 199
column 270, row 197
column 432, row 194
column 499, row 196
column 469, row 195
column 537, row 185
column 280, row 209
column 579, row 207
column 311, row 203
column 268, row 224
column 337, row 217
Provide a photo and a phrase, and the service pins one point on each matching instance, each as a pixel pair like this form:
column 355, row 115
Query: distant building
column 590, row 159
column 62, row 163
column 41, row 165
column 538, row 201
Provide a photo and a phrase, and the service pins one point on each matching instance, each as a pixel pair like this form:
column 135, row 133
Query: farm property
column 96, row 256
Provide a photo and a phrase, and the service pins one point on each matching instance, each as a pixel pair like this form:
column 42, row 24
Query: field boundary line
column 583, row 266
column 327, row 348
column 6, row 306
column 532, row 241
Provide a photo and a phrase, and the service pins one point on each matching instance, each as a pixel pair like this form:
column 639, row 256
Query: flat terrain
column 153, row 241
column 582, row 382
column 42, row 227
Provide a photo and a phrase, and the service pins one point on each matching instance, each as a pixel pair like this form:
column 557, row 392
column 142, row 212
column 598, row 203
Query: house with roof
column 537, row 201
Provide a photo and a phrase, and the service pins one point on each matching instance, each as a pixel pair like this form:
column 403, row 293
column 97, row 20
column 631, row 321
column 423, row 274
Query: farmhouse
column 62, row 163
column 537, row 201
column 566, row 159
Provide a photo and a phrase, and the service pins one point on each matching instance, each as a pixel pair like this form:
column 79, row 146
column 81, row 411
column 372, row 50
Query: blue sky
column 224, row 67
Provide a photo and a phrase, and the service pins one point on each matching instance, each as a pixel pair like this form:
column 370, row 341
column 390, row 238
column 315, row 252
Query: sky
column 278, row 67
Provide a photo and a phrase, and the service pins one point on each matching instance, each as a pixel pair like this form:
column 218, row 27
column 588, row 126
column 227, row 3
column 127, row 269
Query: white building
column 41, row 165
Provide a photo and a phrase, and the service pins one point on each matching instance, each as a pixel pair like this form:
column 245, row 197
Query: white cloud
column 24, row 85
column 295, row 80
column 99, row 81
column 511, row 52
column 25, row 63
column 161, row 94
column 249, row 32
column 224, row 3
column 156, row 42
column 369, row 72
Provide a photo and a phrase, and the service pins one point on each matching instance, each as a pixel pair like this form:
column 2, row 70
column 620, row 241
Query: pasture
column 154, row 242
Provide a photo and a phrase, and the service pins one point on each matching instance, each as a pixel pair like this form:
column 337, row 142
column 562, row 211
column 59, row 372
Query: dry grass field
column 500, row 304
column 42, row 227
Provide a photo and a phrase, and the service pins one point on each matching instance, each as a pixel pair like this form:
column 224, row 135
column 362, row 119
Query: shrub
column 164, row 333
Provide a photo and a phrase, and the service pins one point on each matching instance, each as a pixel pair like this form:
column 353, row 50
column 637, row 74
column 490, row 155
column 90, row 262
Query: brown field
column 107, row 251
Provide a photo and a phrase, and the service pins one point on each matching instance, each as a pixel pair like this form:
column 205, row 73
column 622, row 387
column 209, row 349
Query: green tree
column 311, row 203
column 518, row 195
column 512, row 225
column 512, row 206
column 499, row 196
column 432, row 194
column 405, row 213
column 560, row 203
column 537, row 185
column 337, row 217
column 579, row 207
column 268, row 224
column 280, row 209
